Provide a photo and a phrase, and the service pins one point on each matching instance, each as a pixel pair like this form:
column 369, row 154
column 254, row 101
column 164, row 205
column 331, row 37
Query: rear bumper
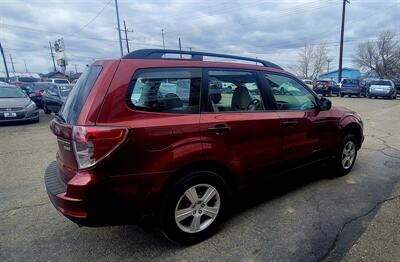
column 380, row 93
column 86, row 202
column 21, row 116
column 72, row 208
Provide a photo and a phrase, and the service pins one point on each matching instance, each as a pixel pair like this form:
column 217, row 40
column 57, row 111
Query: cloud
column 272, row 30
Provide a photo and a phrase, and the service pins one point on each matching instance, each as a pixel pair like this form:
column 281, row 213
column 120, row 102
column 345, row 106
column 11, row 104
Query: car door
column 236, row 124
column 306, row 130
column 52, row 98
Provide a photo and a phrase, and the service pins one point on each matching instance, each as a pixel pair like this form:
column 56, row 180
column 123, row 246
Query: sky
column 273, row 30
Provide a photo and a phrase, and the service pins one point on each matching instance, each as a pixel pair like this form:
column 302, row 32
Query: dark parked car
column 145, row 136
column 15, row 105
column 326, row 87
column 35, row 91
column 353, row 87
column 54, row 97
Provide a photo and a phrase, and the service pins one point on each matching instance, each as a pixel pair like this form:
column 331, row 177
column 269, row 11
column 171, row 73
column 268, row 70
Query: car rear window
column 61, row 81
column 11, row 92
column 79, row 93
column 381, row 83
column 28, row 79
column 351, row 81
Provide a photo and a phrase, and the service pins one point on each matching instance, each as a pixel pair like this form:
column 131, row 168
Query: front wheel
column 193, row 207
column 346, row 155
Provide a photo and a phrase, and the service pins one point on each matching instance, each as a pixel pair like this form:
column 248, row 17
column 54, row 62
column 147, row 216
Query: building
column 346, row 73
column 53, row 75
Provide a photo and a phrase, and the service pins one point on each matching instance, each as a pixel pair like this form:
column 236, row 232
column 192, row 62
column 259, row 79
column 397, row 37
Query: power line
column 91, row 20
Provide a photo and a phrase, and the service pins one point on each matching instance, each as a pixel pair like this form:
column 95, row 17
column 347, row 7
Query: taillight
column 18, row 83
column 358, row 87
column 92, row 144
column 38, row 93
column 327, row 85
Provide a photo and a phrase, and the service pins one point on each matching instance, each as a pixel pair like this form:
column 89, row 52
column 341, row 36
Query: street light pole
column 119, row 29
column 5, row 63
column 341, row 40
column 163, row 41
column 52, row 57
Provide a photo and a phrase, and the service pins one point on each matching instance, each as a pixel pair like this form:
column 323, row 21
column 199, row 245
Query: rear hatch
column 350, row 84
column 321, row 85
column 63, row 124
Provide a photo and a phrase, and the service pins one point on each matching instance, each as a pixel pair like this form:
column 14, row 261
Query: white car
column 382, row 88
column 308, row 82
column 58, row 81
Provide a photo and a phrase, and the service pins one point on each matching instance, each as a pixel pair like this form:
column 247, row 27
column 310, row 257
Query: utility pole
column 180, row 46
column 119, row 28
column 341, row 40
column 329, row 61
column 26, row 68
column 76, row 68
column 126, row 36
column 190, row 48
column 12, row 63
column 163, row 41
column 5, row 63
column 52, row 57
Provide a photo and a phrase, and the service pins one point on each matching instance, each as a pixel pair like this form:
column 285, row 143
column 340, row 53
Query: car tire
column 345, row 157
column 46, row 110
column 200, row 215
column 341, row 95
column 370, row 97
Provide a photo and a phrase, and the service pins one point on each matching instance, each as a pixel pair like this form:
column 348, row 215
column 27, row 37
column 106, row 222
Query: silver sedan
column 15, row 105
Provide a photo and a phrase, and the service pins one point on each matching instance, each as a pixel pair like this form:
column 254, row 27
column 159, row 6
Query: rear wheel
column 346, row 155
column 341, row 95
column 194, row 207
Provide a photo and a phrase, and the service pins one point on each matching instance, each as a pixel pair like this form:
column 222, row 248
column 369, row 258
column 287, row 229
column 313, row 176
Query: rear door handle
column 219, row 129
column 290, row 123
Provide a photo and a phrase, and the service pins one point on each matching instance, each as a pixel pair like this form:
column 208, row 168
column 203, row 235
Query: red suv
column 173, row 138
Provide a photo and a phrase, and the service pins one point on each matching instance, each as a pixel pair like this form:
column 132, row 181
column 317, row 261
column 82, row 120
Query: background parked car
column 54, row 97
column 326, row 87
column 19, row 80
column 352, row 87
column 15, row 105
column 35, row 91
column 58, row 81
column 308, row 82
column 382, row 88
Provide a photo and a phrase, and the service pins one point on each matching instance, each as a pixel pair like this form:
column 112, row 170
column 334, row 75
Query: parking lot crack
column 332, row 247
column 23, row 207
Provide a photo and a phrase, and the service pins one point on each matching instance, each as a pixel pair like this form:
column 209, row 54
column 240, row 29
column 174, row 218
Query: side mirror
column 325, row 104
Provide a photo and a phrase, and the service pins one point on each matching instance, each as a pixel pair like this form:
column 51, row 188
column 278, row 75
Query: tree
column 381, row 56
column 312, row 59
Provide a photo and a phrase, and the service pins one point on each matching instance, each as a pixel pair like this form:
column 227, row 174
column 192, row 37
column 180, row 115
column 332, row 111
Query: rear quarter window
column 166, row 90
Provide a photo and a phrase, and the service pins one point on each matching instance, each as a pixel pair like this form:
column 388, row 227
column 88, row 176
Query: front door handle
column 220, row 129
column 290, row 123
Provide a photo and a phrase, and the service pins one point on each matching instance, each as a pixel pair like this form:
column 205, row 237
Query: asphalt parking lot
column 302, row 216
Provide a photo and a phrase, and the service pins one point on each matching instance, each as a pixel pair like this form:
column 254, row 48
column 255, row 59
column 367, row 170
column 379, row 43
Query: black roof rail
column 159, row 53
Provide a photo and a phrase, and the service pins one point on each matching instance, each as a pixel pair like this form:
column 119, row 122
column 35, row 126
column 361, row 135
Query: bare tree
column 312, row 59
column 381, row 56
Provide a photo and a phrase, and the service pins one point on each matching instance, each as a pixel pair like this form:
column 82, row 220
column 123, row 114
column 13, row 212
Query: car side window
column 166, row 90
column 289, row 94
column 52, row 91
column 231, row 91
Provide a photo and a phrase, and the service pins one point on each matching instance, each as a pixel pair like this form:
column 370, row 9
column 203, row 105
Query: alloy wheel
column 197, row 208
column 348, row 154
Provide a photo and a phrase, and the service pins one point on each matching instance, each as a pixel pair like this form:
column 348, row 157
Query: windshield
column 61, row 81
column 381, row 83
column 64, row 90
column 40, row 86
column 11, row 92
